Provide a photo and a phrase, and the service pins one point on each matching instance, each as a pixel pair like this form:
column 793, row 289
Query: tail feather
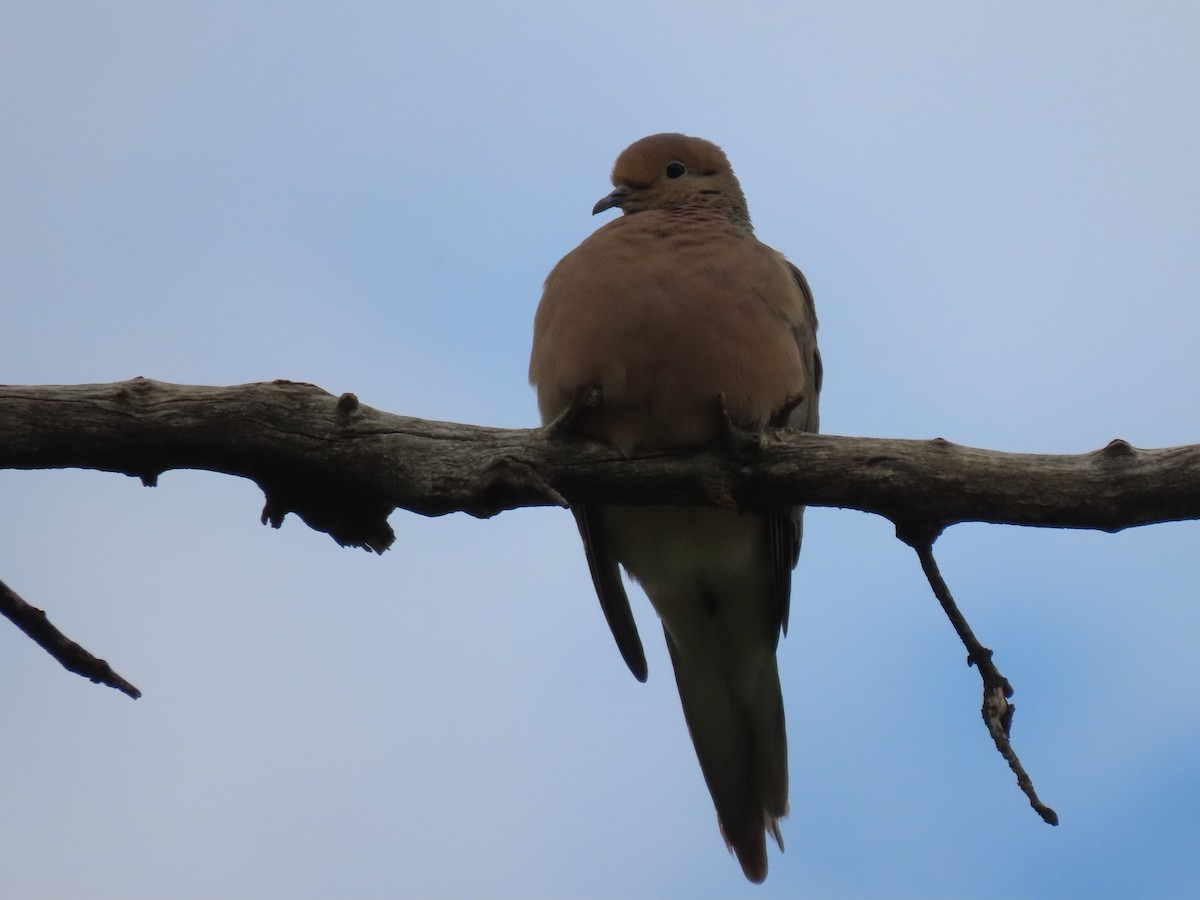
column 741, row 744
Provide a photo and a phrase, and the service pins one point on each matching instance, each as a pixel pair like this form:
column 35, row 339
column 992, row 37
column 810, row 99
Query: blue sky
column 998, row 210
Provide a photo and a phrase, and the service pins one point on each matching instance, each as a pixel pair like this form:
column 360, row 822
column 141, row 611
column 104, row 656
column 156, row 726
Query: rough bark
column 343, row 466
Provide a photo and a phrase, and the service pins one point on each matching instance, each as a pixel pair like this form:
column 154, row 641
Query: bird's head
column 674, row 171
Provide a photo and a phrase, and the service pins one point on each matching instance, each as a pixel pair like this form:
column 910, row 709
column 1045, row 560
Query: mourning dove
column 666, row 309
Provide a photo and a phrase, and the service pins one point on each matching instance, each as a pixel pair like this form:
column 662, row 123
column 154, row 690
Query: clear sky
column 998, row 208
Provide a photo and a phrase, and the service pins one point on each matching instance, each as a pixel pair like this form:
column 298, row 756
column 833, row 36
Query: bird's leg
column 779, row 418
column 740, row 441
column 584, row 399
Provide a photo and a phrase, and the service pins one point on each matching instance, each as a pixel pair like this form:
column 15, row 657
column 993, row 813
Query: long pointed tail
column 741, row 742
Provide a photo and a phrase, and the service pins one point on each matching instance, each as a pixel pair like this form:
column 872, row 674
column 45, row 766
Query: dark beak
column 618, row 196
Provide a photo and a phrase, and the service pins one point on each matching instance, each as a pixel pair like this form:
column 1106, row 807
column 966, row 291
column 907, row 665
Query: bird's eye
column 676, row 169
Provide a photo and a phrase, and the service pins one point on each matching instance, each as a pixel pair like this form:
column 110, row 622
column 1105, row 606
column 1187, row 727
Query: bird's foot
column 584, row 399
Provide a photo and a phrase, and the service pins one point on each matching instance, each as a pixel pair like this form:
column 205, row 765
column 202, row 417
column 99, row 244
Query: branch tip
column 996, row 710
column 69, row 654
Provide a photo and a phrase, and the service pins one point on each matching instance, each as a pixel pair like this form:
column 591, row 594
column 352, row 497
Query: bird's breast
column 665, row 321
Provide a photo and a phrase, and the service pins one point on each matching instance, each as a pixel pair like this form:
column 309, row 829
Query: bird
column 686, row 323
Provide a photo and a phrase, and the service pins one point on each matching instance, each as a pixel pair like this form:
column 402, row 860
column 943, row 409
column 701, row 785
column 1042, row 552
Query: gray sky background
column 998, row 210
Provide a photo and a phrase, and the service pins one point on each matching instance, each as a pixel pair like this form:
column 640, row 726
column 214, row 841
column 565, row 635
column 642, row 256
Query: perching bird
column 665, row 310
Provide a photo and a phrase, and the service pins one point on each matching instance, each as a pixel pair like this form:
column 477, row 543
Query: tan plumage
column 665, row 309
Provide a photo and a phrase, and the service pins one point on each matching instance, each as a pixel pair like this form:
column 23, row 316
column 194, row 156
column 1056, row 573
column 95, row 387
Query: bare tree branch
column 74, row 658
column 344, row 467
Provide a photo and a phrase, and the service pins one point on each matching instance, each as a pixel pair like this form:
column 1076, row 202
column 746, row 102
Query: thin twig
column 73, row 657
column 997, row 712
